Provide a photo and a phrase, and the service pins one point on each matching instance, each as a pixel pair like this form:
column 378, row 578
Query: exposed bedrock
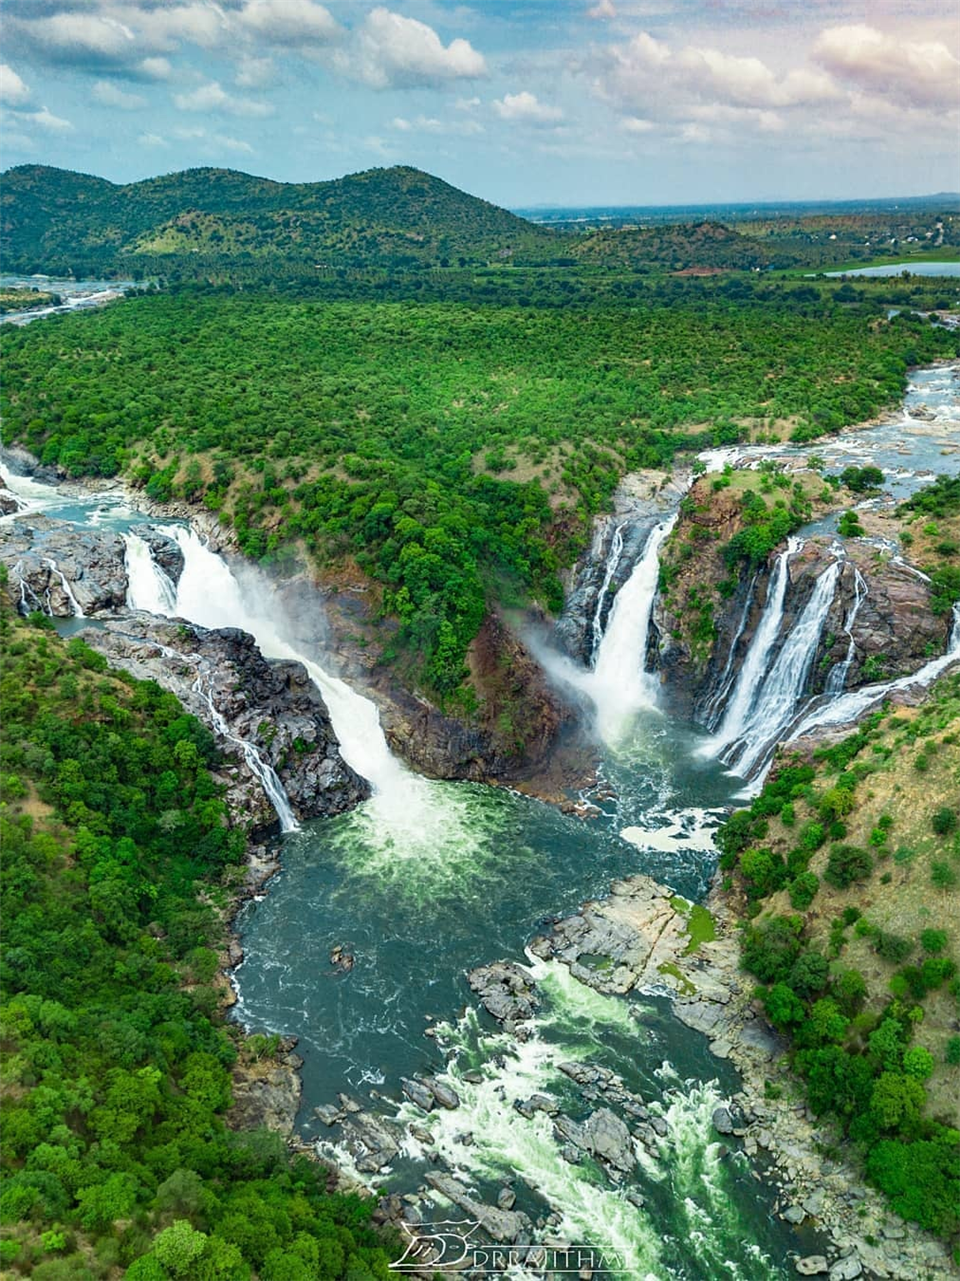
column 520, row 720
column 64, row 571
column 880, row 624
column 222, row 678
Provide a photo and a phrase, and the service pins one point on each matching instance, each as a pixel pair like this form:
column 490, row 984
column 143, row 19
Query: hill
column 52, row 218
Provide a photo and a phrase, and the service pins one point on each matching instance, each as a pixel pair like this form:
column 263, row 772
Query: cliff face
column 880, row 621
column 226, row 682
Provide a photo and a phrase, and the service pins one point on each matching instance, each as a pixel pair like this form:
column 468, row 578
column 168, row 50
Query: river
column 428, row 879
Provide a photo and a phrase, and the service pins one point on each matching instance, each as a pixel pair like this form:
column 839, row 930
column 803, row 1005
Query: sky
column 523, row 102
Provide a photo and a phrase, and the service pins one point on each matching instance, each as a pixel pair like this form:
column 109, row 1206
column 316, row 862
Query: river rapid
column 427, row 880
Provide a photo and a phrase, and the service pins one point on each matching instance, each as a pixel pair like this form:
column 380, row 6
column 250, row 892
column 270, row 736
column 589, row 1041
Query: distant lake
column 897, row 268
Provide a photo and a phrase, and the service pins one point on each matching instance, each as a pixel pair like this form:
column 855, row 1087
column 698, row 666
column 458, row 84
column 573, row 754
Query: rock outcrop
column 222, row 678
column 61, row 570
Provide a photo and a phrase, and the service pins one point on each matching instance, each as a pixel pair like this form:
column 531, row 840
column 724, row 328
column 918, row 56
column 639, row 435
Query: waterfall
column 408, row 818
column 618, row 686
column 769, row 690
column 67, row 589
column 263, row 770
column 717, row 699
column 779, row 696
column 837, row 679
column 740, row 709
column 613, row 560
column 849, row 707
column 149, row 587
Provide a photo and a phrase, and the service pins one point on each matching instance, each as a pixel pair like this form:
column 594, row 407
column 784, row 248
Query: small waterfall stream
column 149, row 586
column 613, row 560
column 837, row 680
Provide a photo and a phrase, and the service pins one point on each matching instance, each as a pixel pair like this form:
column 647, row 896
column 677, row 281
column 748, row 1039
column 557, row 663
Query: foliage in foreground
column 117, row 1061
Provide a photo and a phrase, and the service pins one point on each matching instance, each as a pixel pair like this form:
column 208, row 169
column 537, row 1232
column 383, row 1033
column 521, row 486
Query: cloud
column 430, row 124
column 155, row 68
column 526, row 107
column 603, row 9
column 255, row 73
column 290, row 22
column 13, row 91
column 633, row 124
column 213, row 97
column 108, row 95
column 152, row 140
column 391, row 51
column 210, row 144
column 86, row 38
column 45, row 119
column 925, row 73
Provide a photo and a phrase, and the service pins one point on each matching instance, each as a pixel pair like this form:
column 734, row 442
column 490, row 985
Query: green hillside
column 398, row 216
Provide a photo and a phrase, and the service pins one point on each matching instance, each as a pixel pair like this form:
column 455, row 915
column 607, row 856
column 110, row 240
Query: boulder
column 812, row 1265
column 722, row 1120
column 606, row 1137
column 505, row 990
column 418, row 1093
column 846, row 1269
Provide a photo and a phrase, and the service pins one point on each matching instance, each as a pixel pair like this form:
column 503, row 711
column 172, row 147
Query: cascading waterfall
column 857, row 702
column 613, row 560
column 740, row 709
column 837, row 680
column 715, row 703
column 67, row 589
column 149, row 586
column 769, row 689
column 410, row 821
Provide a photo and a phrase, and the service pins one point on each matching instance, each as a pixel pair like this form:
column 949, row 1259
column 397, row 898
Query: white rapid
column 410, row 822
column 741, row 705
column 837, row 680
column 613, row 560
column 149, row 587
column 849, row 707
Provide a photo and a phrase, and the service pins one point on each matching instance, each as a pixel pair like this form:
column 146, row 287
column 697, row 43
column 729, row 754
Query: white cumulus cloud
column 213, row 97
column 109, row 95
column 290, row 22
column 12, row 89
column 924, row 72
column 392, row 51
column 526, row 106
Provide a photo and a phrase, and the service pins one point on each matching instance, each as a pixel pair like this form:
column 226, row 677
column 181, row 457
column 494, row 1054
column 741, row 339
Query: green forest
column 455, row 452
column 118, row 863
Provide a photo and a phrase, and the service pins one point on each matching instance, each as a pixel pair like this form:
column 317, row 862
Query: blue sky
column 521, row 101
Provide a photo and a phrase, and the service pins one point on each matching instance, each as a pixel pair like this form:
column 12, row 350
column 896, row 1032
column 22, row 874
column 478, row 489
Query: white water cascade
column 149, row 587
column 613, row 560
column 741, row 707
column 67, row 589
column 837, row 680
column 768, row 691
column 857, row 702
column 409, row 820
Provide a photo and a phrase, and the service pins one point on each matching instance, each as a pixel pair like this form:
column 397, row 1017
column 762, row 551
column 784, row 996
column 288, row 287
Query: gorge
column 425, row 880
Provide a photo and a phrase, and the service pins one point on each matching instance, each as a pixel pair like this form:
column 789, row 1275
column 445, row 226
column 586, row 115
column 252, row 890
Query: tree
column 897, row 1101
column 918, row 1062
column 783, row 1006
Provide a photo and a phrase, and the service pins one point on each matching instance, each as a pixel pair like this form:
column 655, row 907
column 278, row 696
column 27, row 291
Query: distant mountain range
column 397, row 216
column 219, row 224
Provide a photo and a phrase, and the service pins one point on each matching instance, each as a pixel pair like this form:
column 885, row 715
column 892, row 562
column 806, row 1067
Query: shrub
column 952, row 1052
column 764, row 870
column 846, row 864
column 942, row 876
column 803, row 890
column 892, row 947
column 809, row 973
column 850, row 991
column 933, row 940
column 770, row 948
column 918, row 1062
column 784, row 1008
column 944, row 821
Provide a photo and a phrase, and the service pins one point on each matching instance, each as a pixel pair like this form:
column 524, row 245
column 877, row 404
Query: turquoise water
column 898, row 268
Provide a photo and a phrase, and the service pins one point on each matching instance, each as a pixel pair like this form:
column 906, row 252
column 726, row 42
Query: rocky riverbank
column 643, row 938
